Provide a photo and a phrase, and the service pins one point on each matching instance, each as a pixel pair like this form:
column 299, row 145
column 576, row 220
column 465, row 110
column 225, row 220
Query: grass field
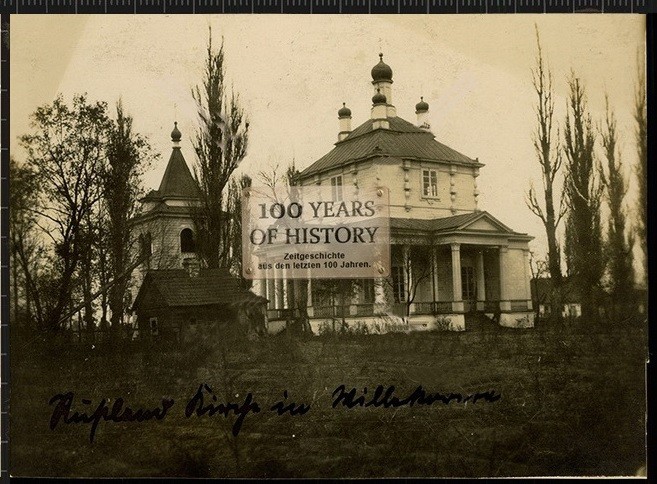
column 572, row 403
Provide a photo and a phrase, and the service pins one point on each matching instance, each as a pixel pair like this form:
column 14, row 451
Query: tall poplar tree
column 584, row 193
column 220, row 144
column 619, row 243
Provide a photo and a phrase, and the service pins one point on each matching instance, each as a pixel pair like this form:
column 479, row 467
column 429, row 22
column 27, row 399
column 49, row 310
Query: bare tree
column 413, row 273
column 549, row 157
column 220, row 146
column 584, row 194
column 67, row 154
column 26, row 250
column 619, row 243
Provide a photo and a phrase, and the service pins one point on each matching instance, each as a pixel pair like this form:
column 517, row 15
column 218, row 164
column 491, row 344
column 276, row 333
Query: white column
column 457, row 287
column 267, row 283
column 381, row 304
column 481, row 282
column 528, row 288
column 408, row 265
column 408, row 271
column 278, row 285
column 309, row 305
column 284, row 290
column 505, row 304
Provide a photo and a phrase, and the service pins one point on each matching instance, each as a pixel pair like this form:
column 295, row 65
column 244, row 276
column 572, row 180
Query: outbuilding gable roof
column 211, row 287
column 402, row 139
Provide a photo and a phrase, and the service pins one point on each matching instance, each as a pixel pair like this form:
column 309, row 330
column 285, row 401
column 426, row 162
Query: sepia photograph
column 330, row 246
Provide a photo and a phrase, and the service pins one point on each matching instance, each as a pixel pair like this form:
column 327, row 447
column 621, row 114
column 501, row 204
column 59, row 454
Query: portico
column 441, row 271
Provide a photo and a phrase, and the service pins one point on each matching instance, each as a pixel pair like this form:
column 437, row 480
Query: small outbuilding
column 571, row 298
column 178, row 305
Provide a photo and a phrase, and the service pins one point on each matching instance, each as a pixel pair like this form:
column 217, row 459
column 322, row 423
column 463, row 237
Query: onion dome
column 344, row 111
column 422, row 106
column 176, row 135
column 379, row 97
column 381, row 71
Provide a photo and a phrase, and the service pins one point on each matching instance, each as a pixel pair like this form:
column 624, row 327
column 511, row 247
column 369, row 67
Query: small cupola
column 344, row 111
column 422, row 106
column 381, row 71
column 176, row 135
column 380, row 111
column 422, row 111
column 344, row 117
column 379, row 98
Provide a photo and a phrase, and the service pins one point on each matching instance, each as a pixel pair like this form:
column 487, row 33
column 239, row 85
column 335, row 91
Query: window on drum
column 429, row 183
column 336, row 188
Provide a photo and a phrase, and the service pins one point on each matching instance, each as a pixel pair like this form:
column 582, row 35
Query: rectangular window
column 429, row 183
column 399, row 284
column 336, row 188
column 367, row 286
column 154, row 326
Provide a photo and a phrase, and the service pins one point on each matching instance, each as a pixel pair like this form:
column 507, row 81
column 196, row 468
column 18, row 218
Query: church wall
column 517, row 278
column 165, row 233
column 398, row 175
column 492, row 275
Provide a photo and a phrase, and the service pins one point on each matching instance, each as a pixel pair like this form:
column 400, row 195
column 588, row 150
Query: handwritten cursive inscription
column 118, row 413
column 205, row 403
column 385, row 397
column 197, row 406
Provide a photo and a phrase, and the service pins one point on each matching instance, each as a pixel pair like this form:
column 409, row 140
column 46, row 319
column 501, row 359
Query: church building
column 449, row 258
column 174, row 297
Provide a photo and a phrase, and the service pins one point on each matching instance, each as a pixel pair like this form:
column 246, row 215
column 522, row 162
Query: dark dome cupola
column 422, row 106
column 422, row 111
column 344, row 115
column 381, row 71
column 176, row 135
column 379, row 97
column 344, row 111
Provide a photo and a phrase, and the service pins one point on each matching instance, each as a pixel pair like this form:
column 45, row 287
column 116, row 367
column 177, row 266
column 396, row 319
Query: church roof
column 211, row 287
column 177, row 181
column 402, row 139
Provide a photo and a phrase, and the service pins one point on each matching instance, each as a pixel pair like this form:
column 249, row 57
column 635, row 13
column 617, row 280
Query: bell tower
column 165, row 229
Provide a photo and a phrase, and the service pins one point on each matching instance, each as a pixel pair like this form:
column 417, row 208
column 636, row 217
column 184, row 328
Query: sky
column 293, row 73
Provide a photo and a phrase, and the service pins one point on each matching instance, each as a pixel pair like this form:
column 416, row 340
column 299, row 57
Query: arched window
column 187, row 243
column 146, row 244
